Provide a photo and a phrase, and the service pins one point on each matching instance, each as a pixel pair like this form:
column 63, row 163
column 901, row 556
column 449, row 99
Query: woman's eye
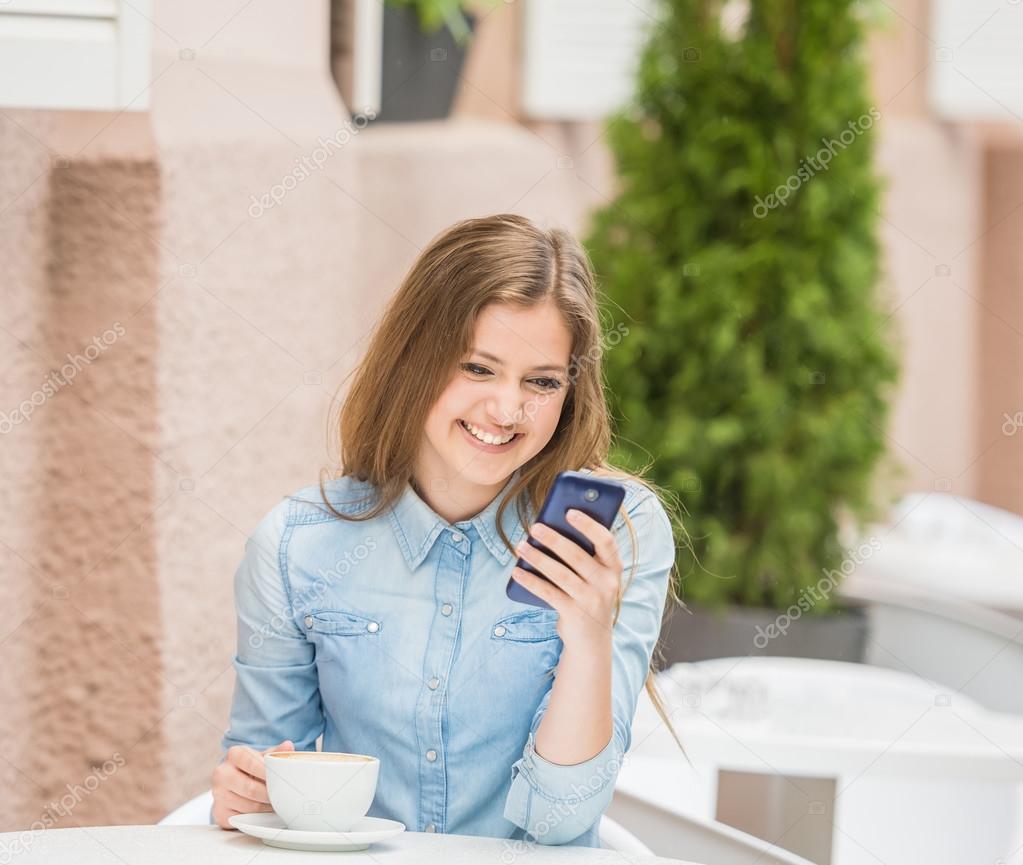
column 548, row 384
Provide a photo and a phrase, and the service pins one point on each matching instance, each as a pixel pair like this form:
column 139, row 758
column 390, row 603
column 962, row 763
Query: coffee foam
column 321, row 756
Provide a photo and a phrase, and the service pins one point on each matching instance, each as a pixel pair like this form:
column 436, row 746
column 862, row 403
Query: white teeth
column 485, row 436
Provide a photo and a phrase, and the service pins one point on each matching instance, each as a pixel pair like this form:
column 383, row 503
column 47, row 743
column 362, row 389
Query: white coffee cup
column 320, row 791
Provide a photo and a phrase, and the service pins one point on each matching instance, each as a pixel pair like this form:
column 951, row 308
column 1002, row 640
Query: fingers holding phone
column 570, row 561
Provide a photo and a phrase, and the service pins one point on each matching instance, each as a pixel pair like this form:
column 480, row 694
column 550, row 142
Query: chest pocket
column 348, row 653
column 524, row 649
column 531, row 644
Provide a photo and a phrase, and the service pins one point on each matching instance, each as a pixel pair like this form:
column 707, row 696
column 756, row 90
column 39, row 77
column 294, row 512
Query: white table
column 197, row 845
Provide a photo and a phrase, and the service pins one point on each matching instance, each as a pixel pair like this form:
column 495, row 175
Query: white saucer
column 270, row 828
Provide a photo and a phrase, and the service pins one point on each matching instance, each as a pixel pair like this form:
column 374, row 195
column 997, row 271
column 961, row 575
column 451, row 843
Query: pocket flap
column 341, row 622
column 530, row 626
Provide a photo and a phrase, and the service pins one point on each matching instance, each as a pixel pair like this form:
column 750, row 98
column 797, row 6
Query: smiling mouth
column 476, row 438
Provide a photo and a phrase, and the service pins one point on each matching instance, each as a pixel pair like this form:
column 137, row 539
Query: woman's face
column 513, row 380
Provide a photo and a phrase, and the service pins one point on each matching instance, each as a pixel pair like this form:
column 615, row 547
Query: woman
column 372, row 607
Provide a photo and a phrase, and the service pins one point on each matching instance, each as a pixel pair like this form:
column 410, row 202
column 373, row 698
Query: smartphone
column 598, row 498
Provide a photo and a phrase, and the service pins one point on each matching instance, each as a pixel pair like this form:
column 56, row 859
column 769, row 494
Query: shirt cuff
column 572, row 783
column 556, row 803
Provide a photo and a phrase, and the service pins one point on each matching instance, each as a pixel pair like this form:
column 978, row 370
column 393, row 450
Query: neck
column 455, row 499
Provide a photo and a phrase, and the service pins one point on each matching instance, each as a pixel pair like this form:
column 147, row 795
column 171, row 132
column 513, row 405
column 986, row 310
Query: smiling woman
column 481, row 383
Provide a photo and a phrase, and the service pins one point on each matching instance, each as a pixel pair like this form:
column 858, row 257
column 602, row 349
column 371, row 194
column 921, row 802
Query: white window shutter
column 579, row 56
column 75, row 54
column 976, row 70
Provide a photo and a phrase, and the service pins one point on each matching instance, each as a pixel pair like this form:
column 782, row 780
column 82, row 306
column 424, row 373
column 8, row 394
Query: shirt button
column 308, row 621
column 456, row 537
column 431, row 828
column 431, row 755
column 500, row 631
column 372, row 627
column 446, row 609
column 433, row 683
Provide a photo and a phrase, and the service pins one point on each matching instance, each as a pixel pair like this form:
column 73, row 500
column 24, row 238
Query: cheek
column 548, row 413
column 446, row 408
column 455, row 402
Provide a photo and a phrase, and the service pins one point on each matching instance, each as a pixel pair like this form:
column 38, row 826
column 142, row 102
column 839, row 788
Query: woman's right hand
column 239, row 783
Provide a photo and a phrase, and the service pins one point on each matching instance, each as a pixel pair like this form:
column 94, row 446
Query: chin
column 488, row 477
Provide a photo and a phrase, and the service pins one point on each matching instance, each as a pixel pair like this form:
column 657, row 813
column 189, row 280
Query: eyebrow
column 545, row 368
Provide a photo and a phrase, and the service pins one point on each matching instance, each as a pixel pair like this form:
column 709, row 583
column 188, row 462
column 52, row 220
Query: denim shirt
column 395, row 638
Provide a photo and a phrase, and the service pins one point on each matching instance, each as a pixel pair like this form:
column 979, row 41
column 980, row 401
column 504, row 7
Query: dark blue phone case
column 570, row 490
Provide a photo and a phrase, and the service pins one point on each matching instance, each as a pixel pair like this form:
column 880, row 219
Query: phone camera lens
column 591, row 495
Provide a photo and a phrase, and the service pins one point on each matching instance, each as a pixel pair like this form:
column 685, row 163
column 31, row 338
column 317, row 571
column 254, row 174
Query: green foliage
column 433, row 14
column 757, row 366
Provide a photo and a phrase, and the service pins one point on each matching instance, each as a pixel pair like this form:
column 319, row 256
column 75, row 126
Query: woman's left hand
column 584, row 593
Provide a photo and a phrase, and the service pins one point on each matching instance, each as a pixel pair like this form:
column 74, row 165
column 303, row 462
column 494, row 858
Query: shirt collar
column 416, row 525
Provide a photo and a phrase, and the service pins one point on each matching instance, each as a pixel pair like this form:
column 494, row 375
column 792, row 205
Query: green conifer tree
column 741, row 252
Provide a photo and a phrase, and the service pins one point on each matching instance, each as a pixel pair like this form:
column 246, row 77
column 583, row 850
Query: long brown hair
column 427, row 329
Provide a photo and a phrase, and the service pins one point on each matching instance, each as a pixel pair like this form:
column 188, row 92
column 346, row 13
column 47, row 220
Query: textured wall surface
column 1000, row 419
column 932, row 286
column 258, row 305
column 82, row 638
column 24, row 234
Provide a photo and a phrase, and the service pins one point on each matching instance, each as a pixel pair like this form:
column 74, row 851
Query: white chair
column 710, row 842
column 614, row 836
column 196, row 812
column 944, row 596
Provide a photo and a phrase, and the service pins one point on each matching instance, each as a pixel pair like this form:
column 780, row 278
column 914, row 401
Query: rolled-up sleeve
column 276, row 692
column 554, row 803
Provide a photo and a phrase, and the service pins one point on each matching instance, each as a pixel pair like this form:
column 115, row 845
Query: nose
column 504, row 406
